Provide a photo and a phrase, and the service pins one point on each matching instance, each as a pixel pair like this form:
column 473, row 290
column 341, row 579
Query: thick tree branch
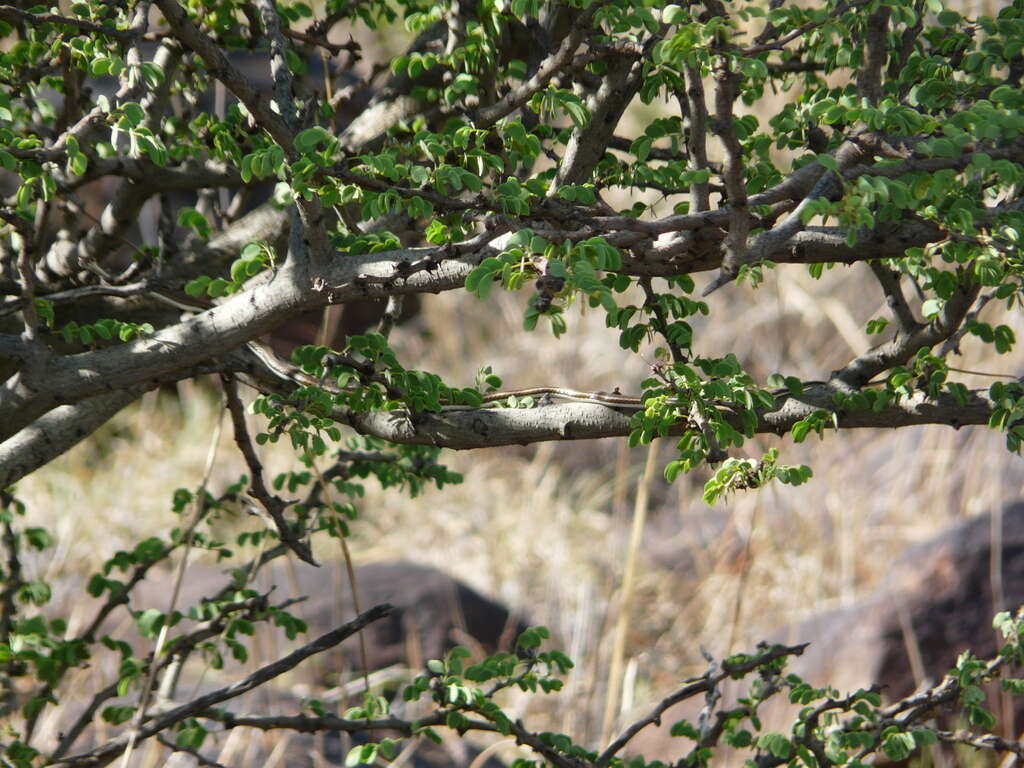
column 490, row 427
column 588, row 142
column 898, row 351
column 697, row 116
column 170, row 354
column 56, row 432
column 869, row 78
column 726, row 85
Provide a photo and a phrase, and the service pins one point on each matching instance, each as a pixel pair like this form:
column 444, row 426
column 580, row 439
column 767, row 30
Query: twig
column 312, row 724
column 334, row 48
column 189, row 751
column 890, row 282
column 115, row 599
column 70, row 736
column 177, row 648
column 984, row 741
column 74, row 294
column 660, row 323
column 10, row 13
column 560, row 58
column 274, row 505
column 694, row 687
column 103, row 754
column 865, row 367
column 350, row 569
column 802, row 30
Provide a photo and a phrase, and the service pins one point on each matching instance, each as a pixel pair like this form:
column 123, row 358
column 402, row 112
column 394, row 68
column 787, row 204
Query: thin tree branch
column 16, row 15
column 695, row 687
column 105, row 753
column 802, row 30
column 890, row 281
column 952, row 344
column 559, row 59
column 273, row 504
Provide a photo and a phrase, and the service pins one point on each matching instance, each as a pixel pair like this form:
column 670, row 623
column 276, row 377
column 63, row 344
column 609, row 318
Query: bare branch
column 489, row 427
column 274, row 505
column 558, row 60
column 105, row 753
column 58, row 431
column 890, row 282
column 860, row 371
column 869, row 78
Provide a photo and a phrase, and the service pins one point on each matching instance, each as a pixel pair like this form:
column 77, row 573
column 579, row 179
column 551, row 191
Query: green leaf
column 776, row 744
column 133, row 112
column 673, row 14
column 827, row 161
column 310, row 139
column 239, row 271
column 899, row 746
column 149, row 622
column 686, row 729
column 190, row 217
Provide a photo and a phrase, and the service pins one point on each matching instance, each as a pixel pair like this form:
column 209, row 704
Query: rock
column 433, row 612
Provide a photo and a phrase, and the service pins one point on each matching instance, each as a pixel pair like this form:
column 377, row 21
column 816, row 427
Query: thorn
column 724, row 278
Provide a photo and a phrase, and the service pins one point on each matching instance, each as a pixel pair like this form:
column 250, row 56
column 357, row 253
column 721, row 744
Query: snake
column 287, row 371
